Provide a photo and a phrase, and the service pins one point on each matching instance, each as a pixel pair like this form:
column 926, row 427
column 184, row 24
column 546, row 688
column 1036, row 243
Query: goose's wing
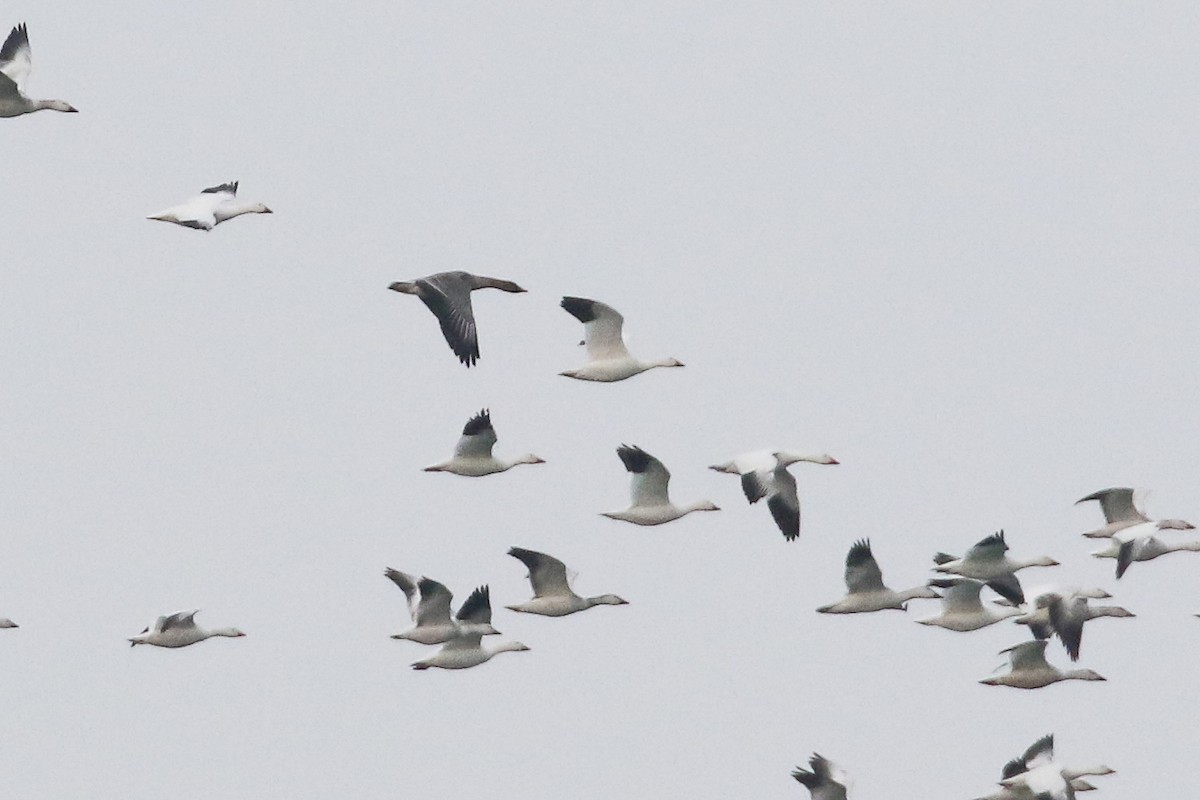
column 1039, row 753
column 408, row 585
column 757, row 484
column 1067, row 616
column 1117, row 505
column 478, row 437
column 784, row 504
column 862, row 571
column 15, row 58
column 477, row 608
column 469, row 641
column 179, row 620
column 648, row 486
column 601, row 327
column 1028, row 655
column 547, row 574
column 991, row 548
column 448, row 296
column 1009, row 587
column 434, row 608
column 824, row 780
column 961, row 595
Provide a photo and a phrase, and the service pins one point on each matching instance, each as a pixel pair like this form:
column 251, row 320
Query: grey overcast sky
column 952, row 244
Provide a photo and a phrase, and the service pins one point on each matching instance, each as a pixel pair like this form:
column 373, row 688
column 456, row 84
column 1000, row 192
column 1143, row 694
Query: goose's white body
column 1030, row 670
column 962, row 610
column 866, row 590
column 552, row 592
column 765, row 475
column 473, row 454
column 465, row 652
column 179, row 630
column 608, row 358
column 448, row 296
column 210, row 208
column 650, row 503
column 431, row 614
column 16, row 63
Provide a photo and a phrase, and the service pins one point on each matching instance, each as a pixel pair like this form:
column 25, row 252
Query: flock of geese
column 1049, row 612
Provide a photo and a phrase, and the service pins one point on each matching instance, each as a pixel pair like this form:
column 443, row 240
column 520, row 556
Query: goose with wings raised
column 864, row 580
column 650, row 503
column 1030, row 670
column 210, row 208
column 448, row 296
column 179, row 630
column 473, row 454
column 988, row 561
column 552, row 592
column 16, row 63
column 962, row 610
column 429, row 607
column 608, row 359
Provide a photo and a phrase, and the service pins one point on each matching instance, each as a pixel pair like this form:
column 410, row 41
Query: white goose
column 210, row 208
column 465, row 652
column 864, row 580
column 552, row 593
column 1065, row 615
column 179, row 630
column 5, row 622
column 1037, row 615
column 473, row 454
column 961, row 609
column 1139, row 543
column 1030, row 670
column 608, row 360
column 987, row 561
column 764, row 474
column 1120, row 513
column 432, row 614
column 1041, row 777
column 824, row 779
column 15, row 66
column 448, row 296
column 650, row 504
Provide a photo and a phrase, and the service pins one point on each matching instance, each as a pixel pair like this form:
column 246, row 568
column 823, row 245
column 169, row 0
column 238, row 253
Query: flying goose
column 961, row 609
column 552, row 593
column 5, row 622
column 770, row 479
column 15, row 65
column 210, row 208
column 432, row 614
column 650, row 504
column 464, row 652
column 178, row 630
column 608, row 360
column 1037, row 616
column 865, row 583
column 448, row 296
column 1039, row 776
column 1064, row 615
column 473, row 454
column 986, row 561
column 1120, row 513
column 1030, row 670
column 824, row 779
column 1139, row 543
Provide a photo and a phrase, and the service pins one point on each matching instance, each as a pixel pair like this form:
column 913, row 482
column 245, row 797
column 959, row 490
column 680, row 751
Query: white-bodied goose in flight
column 961, row 609
column 473, row 454
column 1120, row 513
column 5, row 622
column 650, row 504
column 608, row 360
column 15, row 65
column 179, row 630
column 210, row 208
column 1040, row 777
column 765, row 474
column 987, row 561
column 552, row 592
column 1030, row 670
column 1140, row 543
column 431, row 614
column 864, row 580
column 448, row 296
column 823, row 779
column 465, row 652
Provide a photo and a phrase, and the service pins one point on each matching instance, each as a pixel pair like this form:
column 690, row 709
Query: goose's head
column 705, row 505
column 609, row 600
column 1174, row 525
column 259, row 208
column 530, row 458
column 1042, row 561
column 1086, row 675
column 139, row 639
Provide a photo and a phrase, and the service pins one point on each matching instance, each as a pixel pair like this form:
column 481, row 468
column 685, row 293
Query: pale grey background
column 953, row 244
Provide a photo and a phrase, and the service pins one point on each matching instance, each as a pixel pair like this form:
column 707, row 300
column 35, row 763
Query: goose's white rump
column 608, row 360
column 210, row 208
column 179, row 630
column 16, row 62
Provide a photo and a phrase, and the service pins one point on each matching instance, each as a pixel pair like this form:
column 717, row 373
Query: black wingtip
column 580, row 308
column 478, row 423
column 634, row 458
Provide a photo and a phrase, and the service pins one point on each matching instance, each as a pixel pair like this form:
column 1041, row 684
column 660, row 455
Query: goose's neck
column 51, row 105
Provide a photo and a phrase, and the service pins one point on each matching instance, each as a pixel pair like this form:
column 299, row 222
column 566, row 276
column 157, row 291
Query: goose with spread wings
column 16, row 63
column 765, row 474
column 179, row 630
column 1030, row 670
column 210, row 208
column 650, row 503
column 867, row 592
column 448, row 296
column 1120, row 513
column 431, row 612
column 608, row 359
column 473, row 454
column 552, row 592
column 988, row 561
